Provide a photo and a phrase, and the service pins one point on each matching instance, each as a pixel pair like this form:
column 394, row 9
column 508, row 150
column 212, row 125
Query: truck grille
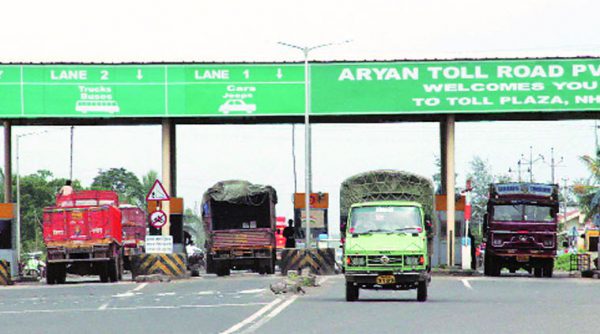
column 384, row 260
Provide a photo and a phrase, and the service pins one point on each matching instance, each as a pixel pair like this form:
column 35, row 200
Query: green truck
column 386, row 228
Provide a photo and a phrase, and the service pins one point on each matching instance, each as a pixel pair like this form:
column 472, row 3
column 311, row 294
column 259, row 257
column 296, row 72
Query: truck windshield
column 522, row 212
column 385, row 219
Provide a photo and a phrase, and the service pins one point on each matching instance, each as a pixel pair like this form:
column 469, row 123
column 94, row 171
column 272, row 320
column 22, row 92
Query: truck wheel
column 210, row 265
column 548, row 268
column 490, row 267
column 113, row 270
column 422, row 291
column 195, row 272
column 537, row 271
column 351, row 292
column 103, row 269
column 61, row 277
column 50, row 274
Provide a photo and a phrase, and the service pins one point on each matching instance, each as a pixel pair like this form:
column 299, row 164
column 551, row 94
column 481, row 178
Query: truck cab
column 520, row 228
column 386, row 248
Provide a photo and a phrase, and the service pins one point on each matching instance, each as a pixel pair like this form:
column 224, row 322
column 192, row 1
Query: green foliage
column 193, row 221
column 586, row 190
column 563, row 262
column 124, row 183
column 148, row 180
column 37, row 191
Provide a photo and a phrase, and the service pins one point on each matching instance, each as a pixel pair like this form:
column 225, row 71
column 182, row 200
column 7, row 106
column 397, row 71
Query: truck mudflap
column 383, row 280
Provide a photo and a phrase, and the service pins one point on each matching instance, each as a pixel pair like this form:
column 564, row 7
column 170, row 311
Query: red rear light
column 421, row 259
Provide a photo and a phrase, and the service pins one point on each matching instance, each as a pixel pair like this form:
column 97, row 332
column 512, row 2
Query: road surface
column 243, row 303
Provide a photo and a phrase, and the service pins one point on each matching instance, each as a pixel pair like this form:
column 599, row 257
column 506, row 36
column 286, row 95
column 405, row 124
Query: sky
column 204, row 31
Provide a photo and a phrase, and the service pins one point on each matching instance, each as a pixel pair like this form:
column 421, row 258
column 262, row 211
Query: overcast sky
column 140, row 31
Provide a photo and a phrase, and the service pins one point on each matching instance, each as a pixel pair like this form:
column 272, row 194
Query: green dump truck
column 386, row 226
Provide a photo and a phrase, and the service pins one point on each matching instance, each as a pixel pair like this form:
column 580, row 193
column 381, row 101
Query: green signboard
column 222, row 90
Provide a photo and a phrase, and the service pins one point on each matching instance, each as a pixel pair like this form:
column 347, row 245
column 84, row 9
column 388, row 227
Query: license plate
column 522, row 258
column 386, row 279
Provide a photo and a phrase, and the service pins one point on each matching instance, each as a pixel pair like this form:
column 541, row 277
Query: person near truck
column 66, row 190
column 289, row 235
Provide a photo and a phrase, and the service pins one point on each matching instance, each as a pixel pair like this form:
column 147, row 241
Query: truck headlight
column 548, row 243
column 414, row 260
column 497, row 242
column 356, row 260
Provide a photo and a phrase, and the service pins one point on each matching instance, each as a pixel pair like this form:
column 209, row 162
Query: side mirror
column 565, row 244
column 484, row 226
column 428, row 226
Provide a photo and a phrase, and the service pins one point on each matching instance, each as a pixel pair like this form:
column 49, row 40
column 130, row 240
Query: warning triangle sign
column 157, row 192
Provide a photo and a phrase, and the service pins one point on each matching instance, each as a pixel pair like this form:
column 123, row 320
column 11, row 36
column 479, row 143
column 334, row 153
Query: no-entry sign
column 158, row 219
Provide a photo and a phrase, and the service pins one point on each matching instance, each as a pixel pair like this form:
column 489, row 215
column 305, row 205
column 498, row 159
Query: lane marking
column 206, row 293
column 466, row 283
column 166, row 294
column 134, row 308
column 252, row 291
column 103, row 306
column 253, row 317
column 131, row 293
column 271, row 315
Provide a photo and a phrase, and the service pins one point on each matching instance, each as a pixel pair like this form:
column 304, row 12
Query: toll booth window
column 5, row 234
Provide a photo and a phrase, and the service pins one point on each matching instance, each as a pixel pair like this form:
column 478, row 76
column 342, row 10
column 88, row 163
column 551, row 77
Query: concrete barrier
column 320, row 261
column 171, row 265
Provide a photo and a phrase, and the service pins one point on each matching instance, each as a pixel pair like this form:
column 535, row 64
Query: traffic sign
column 158, row 219
column 159, row 244
column 277, row 89
column 157, row 192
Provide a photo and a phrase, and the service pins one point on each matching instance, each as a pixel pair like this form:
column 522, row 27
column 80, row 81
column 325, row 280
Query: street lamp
column 307, row 140
column 18, row 227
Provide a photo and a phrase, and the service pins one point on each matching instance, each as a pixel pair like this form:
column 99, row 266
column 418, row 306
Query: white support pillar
column 449, row 187
column 168, row 168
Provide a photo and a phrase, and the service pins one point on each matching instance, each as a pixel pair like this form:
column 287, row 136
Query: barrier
column 320, row 261
column 172, row 265
column 5, row 273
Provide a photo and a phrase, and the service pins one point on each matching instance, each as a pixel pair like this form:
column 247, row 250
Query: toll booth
column 319, row 205
column 440, row 241
column 8, row 237
column 175, row 221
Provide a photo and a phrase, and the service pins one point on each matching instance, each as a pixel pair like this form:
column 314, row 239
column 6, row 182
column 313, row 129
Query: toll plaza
column 445, row 91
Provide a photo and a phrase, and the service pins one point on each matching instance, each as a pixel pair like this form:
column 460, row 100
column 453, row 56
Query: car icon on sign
column 237, row 106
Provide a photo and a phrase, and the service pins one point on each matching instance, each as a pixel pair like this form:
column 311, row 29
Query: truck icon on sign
column 237, row 106
column 110, row 107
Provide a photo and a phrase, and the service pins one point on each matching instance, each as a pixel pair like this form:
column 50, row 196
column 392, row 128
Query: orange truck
column 83, row 235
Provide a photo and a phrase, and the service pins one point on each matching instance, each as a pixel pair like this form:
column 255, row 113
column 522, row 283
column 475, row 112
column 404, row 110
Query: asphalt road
column 243, row 303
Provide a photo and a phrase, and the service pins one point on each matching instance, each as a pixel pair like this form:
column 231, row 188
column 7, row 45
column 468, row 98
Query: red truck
column 239, row 223
column 520, row 228
column 134, row 232
column 83, row 235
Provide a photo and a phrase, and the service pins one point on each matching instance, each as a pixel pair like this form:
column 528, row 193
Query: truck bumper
column 96, row 253
column 403, row 281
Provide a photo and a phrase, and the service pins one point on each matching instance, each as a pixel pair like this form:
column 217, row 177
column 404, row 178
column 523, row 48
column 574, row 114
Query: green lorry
column 386, row 227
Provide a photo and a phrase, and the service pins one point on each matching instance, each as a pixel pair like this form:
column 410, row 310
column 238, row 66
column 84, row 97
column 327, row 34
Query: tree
column 148, row 180
column 193, row 221
column 37, row 191
column 123, row 182
column 587, row 191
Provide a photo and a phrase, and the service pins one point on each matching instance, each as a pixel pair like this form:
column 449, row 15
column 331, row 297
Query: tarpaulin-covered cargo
column 239, row 222
column 386, row 185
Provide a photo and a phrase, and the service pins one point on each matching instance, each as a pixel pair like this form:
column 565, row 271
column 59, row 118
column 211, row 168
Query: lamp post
column 307, row 138
column 18, row 229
